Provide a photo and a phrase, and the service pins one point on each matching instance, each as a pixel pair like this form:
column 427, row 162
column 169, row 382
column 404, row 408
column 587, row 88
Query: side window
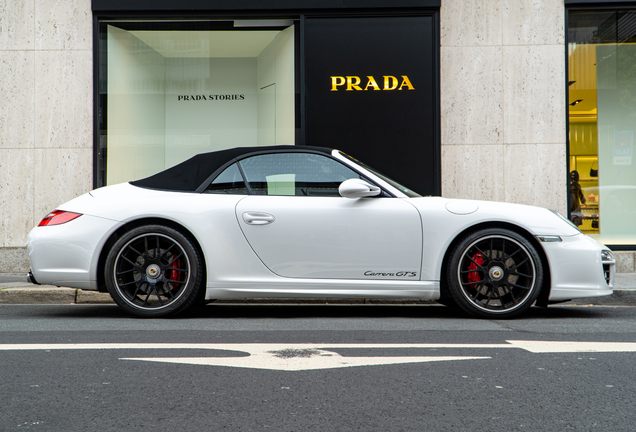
column 230, row 181
column 295, row 174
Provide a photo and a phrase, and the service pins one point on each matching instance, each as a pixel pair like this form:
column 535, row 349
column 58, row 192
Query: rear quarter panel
column 210, row 218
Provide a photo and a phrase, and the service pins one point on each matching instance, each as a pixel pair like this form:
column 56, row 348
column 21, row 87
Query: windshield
column 406, row 191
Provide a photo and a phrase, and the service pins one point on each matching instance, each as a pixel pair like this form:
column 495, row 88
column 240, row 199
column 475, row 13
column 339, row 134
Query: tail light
column 58, row 217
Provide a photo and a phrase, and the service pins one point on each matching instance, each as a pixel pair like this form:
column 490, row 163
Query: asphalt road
column 324, row 368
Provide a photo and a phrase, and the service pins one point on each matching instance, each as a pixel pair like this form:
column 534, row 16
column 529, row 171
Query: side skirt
column 328, row 288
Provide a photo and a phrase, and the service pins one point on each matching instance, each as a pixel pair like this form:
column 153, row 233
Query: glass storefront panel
column 602, row 120
column 169, row 93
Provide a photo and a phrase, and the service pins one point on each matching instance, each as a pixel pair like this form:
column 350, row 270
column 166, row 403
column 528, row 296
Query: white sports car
column 309, row 222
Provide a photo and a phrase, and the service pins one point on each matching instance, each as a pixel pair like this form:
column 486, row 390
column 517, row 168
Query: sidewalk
column 15, row 288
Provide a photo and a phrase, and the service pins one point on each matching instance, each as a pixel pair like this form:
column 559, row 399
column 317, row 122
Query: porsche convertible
column 309, row 222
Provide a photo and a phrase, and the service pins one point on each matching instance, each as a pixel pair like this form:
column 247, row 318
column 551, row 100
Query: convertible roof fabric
column 190, row 174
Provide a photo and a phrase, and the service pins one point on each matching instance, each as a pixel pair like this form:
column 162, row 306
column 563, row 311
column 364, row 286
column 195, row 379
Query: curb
column 24, row 293
column 51, row 295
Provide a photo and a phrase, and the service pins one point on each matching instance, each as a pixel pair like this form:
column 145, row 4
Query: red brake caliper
column 477, row 260
column 174, row 275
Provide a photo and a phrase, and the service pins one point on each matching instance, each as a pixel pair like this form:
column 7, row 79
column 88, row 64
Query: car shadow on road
column 220, row 311
column 326, row 310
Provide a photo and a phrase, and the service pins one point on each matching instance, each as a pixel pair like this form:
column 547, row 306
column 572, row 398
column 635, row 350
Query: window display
column 172, row 90
column 602, row 119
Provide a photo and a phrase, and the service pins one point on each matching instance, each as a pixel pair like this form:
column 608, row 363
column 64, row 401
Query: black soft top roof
column 192, row 173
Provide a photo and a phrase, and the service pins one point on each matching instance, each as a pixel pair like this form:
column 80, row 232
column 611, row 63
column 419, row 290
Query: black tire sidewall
column 193, row 286
column 454, row 286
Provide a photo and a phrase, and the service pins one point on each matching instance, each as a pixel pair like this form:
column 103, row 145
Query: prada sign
column 370, row 91
column 354, row 83
column 210, row 97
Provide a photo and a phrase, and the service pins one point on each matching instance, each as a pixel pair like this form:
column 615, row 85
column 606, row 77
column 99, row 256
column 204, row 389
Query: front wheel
column 494, row 273
column 154, row 271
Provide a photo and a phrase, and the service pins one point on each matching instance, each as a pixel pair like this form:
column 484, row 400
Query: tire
column 494, row 273
column 154, row 271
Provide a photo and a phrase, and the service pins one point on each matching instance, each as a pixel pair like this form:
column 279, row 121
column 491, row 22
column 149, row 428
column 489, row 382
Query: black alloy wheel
column 494, row 273
column 154, row 271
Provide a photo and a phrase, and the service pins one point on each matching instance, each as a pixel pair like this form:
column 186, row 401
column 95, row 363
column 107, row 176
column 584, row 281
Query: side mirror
column 357, row 188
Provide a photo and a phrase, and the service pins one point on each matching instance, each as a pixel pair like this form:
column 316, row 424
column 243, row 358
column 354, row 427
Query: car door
column 300, row 227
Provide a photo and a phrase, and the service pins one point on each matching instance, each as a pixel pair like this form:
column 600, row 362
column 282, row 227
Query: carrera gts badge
column 405, row 274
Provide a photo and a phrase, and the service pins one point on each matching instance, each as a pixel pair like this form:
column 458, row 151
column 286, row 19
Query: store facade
column 172, row 85
column 496, row 100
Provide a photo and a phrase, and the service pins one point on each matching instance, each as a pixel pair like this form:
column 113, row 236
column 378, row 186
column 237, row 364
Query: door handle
column 258, row 218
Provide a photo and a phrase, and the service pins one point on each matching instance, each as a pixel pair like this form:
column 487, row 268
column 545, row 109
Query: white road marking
column 291, row 359
column 573, row 347
column 295, row 357
column 528, row 345
column 231, row 346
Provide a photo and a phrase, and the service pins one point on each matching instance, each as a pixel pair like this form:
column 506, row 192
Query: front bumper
column 577, row 268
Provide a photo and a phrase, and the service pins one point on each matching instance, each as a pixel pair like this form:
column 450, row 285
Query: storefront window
column 170, row 90
column 602, row 120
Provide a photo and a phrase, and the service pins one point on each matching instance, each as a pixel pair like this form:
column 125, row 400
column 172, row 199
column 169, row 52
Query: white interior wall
column 209, row 120
column 617, row 179
column 275, row 82
column 267, row 115
column 163, row 110
column 136, row 108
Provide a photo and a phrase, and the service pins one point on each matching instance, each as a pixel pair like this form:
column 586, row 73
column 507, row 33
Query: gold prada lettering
column 372, row 83
column 354, row 83
column 337, row 81
column 406, row 82
column 393, row 82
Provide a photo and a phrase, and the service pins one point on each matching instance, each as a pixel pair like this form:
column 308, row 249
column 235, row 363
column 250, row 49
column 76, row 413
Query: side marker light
column 549, row 239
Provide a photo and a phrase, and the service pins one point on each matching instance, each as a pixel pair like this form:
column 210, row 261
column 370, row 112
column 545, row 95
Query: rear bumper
column 67, row 254
column 32, row 278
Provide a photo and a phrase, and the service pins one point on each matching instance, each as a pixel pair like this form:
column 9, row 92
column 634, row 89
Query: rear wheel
column 154, row 271
column 494, row 273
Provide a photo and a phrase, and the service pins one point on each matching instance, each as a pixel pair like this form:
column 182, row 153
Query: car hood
column 462, row 213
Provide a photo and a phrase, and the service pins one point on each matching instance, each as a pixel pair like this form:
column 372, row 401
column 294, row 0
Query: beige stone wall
column 503, row 101
column 46, row 114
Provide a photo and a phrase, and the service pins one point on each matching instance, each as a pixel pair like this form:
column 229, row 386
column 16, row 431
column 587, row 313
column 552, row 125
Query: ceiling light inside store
column 207, row 44
column 263, row 23
column 576, row 102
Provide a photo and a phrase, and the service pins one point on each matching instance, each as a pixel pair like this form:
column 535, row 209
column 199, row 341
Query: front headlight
column 607, row 255
column 567, row 220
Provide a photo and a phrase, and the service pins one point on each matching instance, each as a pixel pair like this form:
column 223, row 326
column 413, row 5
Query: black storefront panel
column 371, row 91
column 255, row 6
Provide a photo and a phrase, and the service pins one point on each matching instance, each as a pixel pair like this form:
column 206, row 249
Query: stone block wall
column 503, row 101
column 46, row 114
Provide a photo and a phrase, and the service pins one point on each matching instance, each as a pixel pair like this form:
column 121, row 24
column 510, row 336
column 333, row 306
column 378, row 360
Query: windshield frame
column 394, row 184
